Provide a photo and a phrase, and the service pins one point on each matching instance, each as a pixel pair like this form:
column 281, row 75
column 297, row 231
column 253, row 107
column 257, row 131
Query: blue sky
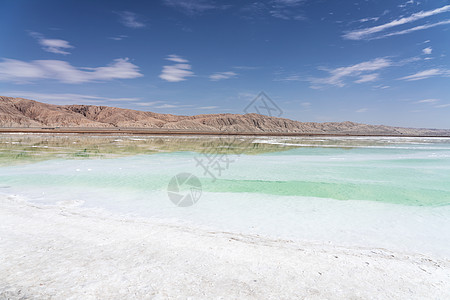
column 377, row 62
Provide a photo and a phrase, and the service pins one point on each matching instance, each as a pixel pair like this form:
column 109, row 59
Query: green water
column 413, row 172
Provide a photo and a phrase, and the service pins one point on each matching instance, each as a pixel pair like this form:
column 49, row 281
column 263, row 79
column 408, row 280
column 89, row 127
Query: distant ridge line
column 23, row 115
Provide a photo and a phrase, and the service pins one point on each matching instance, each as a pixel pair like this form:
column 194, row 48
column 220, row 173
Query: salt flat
column 69, row 252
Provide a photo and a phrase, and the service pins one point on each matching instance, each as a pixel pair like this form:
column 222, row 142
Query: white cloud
column 433, row 103
column 118, row 38
column 129, row 19
column 374, row 19
column 152, row 103
column 338, row 75
column 407, row 61
column 406, row 3
column 427, row 51
column 362, row 110
column 21, row 71
column 222, row 75
column 177, row 72
column 166, row 106
column 365, row 33
column 421, row 27
column 245, row 68
column 443, row 105
column 382, row 87
column 55, row 46
column 176, row 58
column 368, row 78
column 428, row 101
column 67, row 98
column 52, row 45
column 426, row 74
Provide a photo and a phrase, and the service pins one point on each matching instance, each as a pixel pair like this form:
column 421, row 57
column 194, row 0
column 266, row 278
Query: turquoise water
column 383, row 192
column 404, row 171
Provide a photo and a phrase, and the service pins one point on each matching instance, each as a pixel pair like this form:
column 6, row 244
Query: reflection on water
column 28, row 148
column 16, row 149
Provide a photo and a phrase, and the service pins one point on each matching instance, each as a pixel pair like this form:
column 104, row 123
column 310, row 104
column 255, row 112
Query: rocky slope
column 19, row 112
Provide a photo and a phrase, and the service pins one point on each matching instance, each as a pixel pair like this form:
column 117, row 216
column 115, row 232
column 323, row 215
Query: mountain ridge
column 25, row 113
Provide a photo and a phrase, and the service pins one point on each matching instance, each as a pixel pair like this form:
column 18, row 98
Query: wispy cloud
column 417, row 28
column 173, row 106
column 427, row 51
column 245, row 68
column 52, row 45
column 443, row 105
column 20, row 71
column 428, row 101
column 367, row 33
column 130, row 19
column 222, row 75
column 146, row 104
column 406, row 3
column 374, row 19
column 381, row 87
column 176, row 58
column 292, row 77
column 433, row 102
column 177, row 72
column 368, row 78
column 194, row 7
column 118, row 38
column 166, row 106
column 67, row 98
column 362, row 110
column 336, row 76
column 426, row 74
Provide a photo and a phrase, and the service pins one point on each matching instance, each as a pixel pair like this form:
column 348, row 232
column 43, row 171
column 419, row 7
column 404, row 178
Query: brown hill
column 19, row 112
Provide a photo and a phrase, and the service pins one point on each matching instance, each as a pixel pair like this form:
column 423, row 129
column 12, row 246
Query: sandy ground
column 65, row 252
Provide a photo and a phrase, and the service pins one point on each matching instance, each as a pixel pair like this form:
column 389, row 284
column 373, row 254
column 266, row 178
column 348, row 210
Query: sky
column 373, row 61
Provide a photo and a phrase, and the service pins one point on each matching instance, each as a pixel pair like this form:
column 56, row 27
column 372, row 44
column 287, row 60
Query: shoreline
column 81, row 253
column 176, row 132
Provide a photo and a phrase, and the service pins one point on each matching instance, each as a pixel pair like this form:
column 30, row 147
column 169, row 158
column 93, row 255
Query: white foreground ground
column 65, row 252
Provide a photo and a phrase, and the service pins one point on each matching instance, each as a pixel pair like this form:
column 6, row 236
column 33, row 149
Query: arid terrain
column 20, row 114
